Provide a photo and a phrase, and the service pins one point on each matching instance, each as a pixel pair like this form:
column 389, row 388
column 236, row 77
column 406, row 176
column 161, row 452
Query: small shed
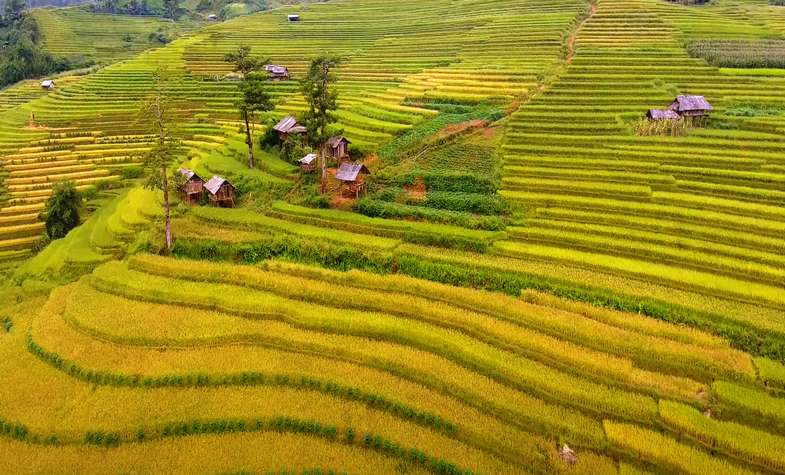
column 293, row 18
column 338, row 147
column 691, row 106
column 47, row 84
column 277, row 73
column 308, row 162
column 193, row 187
column 352, row 178
column 220, row 191
column 661, row 114
column 212, row 17
column 288, row 125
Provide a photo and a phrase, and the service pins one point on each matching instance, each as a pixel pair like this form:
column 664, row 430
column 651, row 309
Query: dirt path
column 574, row 34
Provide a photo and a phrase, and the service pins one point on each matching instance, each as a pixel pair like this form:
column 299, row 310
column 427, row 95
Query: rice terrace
column 404, row 237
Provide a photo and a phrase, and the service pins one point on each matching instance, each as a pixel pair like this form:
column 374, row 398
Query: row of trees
column 171, row 8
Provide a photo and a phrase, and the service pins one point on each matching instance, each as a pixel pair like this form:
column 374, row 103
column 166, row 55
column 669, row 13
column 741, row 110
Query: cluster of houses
column 351, row 175
column 219, row 191
column 682, row 106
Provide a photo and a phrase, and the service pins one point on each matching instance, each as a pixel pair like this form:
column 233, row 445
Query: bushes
column 61, row 213
column 6, row 323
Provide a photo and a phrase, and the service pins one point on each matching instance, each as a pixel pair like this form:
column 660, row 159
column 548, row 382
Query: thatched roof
column 661, row 114
column 47, row 83
column 215, row 184
column 349, row 171
column 691, row 103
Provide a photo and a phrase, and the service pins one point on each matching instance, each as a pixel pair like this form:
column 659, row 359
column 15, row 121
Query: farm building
column 212, row 17
column 338, row 147
column 308, row 162
column 293, row 18
column 352, row 178
column 279, row 73
column 661, row 114
column 220, row 191
column 193, row 187
column 288, row 125
column 691, row 106
column 47, row 84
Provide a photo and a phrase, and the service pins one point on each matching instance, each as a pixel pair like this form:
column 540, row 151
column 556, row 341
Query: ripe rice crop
column 756, row 446
column 740, row 53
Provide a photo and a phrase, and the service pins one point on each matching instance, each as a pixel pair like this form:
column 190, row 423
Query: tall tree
column 61, row 212
column 158, row 111
column 172, row 8
column 253, row 93
column 322, row 100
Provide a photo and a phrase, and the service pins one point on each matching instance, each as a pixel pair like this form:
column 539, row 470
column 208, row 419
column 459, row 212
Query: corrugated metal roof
column 662, row 114
column 215, row 184
column 349, row 171
column 275, row 69
column 333, row 142
column 286, row 124
column 189, row 174
column 308, row 159
column 692, row 103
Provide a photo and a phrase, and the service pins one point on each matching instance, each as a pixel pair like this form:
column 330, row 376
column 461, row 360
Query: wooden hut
column 308, row 162
column 212, row 17
column 338, row 147
column 288, row 125
column 193, row 187
column 220, row 191
column 352, row 178
column 277, row 73
column 691, row 106
column 293, row 18
column 47, row 84
column 661, row 114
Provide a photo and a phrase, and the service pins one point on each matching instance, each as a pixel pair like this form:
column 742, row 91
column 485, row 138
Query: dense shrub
column 61, row 213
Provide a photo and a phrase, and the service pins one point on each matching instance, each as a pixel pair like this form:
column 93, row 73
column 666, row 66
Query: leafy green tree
column 253, row 92
column 172, row 8
column 159, row 112
column 61, row 213
column 322, row 100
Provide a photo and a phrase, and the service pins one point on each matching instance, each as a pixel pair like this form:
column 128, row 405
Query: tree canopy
column 61, row 213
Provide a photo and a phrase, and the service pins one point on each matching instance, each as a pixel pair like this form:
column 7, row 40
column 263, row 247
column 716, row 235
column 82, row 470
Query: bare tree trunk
column 248, row 140
column 168, row 221
column 323, row 157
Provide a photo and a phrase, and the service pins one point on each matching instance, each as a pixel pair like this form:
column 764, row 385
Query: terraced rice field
column 629, row 306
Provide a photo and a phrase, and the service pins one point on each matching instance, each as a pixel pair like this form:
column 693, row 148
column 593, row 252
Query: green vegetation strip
column 252, row 378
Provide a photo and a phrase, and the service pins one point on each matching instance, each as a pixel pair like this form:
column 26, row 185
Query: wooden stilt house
column 277, row 73
column 352, row 177
column 691, row 106
column 192, row 189
column 221, row 192
column 287, row 126
column 338, row 147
